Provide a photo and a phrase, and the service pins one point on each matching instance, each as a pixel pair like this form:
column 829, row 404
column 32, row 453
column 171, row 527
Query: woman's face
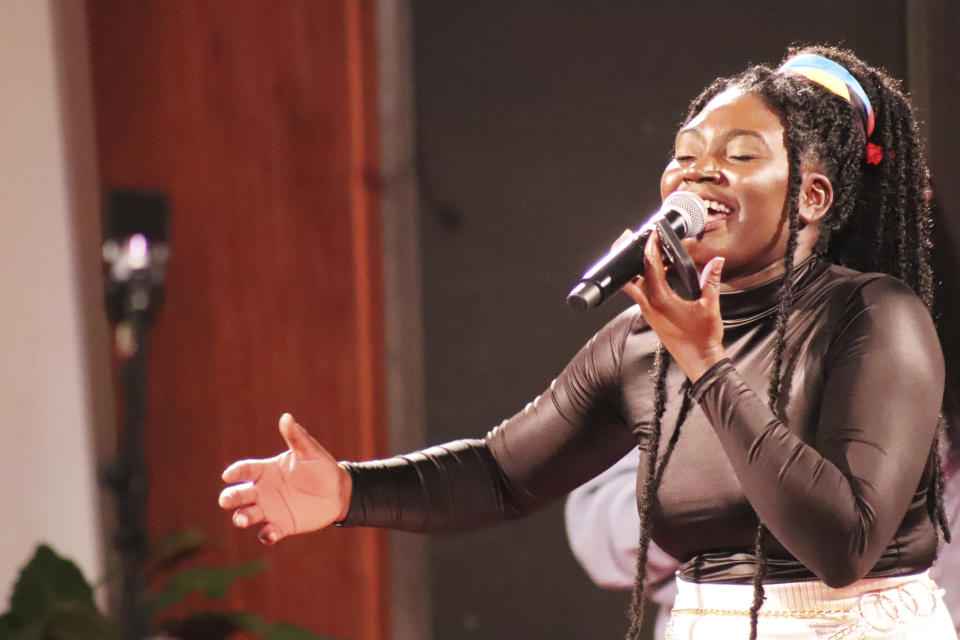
column 733, row 155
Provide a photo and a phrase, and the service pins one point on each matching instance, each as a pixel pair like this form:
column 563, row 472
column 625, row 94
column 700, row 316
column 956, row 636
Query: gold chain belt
column 879, row 611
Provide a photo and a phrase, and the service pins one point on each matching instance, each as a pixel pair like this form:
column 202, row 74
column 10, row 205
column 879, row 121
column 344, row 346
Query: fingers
column 238, row 496
column 655, row 286
column 245, row 471
column 247, row 516
column 269, row 534
column 298, row 441
column 297, row 438
column 634, row 290
column 242, row 498
column 626, row 236
column 259, row 498
column 710, row 281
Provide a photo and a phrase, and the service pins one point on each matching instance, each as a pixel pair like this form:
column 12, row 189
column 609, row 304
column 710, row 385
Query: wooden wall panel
column 258, row 119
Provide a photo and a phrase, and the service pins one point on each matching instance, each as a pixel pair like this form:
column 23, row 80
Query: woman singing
column 787, row 420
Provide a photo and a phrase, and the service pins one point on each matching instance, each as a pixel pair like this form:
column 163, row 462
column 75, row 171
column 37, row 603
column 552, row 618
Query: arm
column 567, row 435
column 835, row 502
column 561, row 439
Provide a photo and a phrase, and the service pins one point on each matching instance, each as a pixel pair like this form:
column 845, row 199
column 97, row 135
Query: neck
column 766, row 274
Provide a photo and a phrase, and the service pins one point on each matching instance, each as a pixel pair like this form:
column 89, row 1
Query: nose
column 704, row 169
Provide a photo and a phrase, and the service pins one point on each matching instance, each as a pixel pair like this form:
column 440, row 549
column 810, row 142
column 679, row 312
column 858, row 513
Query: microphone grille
column 691, row 207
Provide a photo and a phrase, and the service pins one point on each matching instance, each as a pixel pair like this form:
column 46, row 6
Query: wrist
column 695, row 367
column 345, row 490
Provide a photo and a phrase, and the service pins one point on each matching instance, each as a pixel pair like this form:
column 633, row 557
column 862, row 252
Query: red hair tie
column 874, row 153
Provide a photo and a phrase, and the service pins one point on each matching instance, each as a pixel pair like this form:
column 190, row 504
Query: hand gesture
column 302, row 489
column 692, row 331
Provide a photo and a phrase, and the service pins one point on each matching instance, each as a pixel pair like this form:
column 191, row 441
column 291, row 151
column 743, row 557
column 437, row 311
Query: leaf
column 213, row 583
column 175, row 543
column 286, row 631
column 6, row 626
column 171, row 549
column 215, row 625
column 47, row 582
column 72, row 623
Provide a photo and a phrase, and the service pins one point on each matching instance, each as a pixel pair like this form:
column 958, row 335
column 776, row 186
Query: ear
column 816, row 196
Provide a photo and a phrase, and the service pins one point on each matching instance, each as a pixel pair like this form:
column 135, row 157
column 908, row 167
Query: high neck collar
column 745, row 305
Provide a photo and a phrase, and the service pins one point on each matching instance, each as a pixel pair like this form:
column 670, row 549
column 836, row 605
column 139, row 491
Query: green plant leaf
column 213, row 625
column 175, row 545
column 68, row 622
column 213, row 583
column 47, row 582
column 173, row 548
column 286, row 631
column 53, row 601
column 6, row 626
column 217, row 625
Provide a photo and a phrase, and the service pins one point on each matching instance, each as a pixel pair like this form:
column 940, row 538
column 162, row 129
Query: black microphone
column 682, row 215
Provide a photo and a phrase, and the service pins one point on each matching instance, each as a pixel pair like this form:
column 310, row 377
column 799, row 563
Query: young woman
column 796, row 478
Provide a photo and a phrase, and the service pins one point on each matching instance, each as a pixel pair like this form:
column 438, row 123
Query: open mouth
column 715, row 208
column 716, row 214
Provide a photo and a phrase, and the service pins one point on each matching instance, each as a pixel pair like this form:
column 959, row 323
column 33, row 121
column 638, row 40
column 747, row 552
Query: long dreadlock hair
column 880, row 221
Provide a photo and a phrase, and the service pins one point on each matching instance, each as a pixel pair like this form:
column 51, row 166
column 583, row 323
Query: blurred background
column 377, row 211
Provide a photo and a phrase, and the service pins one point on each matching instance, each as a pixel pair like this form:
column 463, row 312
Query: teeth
column 717, row 206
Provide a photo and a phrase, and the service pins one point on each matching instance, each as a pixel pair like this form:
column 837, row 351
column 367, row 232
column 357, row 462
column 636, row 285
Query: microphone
column 135, row 252
column 682, row 215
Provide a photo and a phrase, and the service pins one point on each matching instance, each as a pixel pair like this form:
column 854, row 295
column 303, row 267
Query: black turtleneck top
column 840, row 478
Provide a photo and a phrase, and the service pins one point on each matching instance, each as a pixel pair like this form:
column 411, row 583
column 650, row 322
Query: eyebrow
column 732, row 133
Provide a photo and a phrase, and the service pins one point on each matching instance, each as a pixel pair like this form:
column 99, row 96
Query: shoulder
column 619, row 328
column 874, row 292
column 601, row 357
column 881, row 310
column 855, row 292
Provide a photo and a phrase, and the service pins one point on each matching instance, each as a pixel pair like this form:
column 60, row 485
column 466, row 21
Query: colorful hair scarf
column 836, row 79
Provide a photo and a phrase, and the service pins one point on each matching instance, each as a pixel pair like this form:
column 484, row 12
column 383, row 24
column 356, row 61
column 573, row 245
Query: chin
column 702, row 251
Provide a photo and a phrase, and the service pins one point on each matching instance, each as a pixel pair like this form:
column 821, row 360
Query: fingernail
column 240, row 520
column 719, row 265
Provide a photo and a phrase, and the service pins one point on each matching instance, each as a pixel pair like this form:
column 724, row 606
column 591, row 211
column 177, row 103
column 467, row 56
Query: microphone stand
column 134, row 293
column 127, row 478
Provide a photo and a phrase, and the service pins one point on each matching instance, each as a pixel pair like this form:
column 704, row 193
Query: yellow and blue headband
column 836, row 79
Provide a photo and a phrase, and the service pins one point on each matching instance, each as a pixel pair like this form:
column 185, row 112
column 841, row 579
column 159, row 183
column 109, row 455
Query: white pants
column 905, row 607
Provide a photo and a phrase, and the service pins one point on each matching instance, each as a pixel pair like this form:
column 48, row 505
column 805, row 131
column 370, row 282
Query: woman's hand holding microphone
column 691, row 330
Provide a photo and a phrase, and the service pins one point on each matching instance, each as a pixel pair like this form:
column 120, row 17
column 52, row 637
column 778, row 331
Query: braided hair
column 880, row 221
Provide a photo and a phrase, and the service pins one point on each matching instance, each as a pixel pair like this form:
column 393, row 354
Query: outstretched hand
column 691, row 330
column 302, row 489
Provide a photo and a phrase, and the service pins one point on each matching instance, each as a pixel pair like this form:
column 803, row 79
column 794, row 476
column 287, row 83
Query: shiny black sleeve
column 835, row 502
column 570, row 433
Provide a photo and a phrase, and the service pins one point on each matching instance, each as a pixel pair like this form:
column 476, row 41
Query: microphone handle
column 621, row 264
column 611, row 272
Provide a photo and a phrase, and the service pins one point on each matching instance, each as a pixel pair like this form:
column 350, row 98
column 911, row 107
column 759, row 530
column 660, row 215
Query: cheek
column 768, row 189
column 669, row 182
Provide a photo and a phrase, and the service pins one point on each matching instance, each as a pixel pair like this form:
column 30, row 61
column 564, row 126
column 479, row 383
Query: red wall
column 258, row 119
